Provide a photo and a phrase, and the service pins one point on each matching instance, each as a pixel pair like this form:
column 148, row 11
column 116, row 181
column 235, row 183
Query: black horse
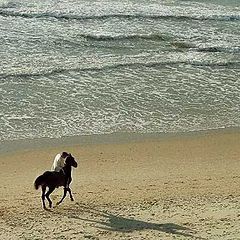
column 53, row 179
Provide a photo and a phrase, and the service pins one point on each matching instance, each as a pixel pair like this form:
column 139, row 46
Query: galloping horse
column 53, row 179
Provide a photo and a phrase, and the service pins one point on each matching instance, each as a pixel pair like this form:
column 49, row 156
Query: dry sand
column 179, row 187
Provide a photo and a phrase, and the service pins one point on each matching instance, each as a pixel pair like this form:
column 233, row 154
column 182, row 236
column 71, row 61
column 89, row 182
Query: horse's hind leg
column 51, row 189
column 43, row 196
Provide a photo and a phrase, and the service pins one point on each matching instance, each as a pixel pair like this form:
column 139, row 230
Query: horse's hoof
column 72, row 199
column 58, row 203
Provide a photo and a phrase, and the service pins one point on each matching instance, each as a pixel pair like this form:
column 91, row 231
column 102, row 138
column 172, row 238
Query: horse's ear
column 64, row 154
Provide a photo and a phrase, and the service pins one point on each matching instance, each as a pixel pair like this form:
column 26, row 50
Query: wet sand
column 176, row 187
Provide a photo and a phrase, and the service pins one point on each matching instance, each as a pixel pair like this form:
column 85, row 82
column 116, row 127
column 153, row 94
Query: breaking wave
column 154, row 37
column 48, row 72
column 63, row 16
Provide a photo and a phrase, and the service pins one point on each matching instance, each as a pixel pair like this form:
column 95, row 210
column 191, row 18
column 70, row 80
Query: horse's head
column 70, row 161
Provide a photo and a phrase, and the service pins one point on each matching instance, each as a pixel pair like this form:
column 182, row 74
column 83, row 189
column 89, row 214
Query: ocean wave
column 64, row 16
column 176, row 43
column 181, row 44
column 80, row 69
column 150, row 37
column 115, row 66
column 219, row 49
column 154, row 37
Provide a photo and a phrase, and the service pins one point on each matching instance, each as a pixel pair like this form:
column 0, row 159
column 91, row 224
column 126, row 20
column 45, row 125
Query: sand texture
column 181, row 187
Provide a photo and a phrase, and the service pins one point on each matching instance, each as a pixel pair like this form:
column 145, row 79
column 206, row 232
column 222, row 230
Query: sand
column 176, row 187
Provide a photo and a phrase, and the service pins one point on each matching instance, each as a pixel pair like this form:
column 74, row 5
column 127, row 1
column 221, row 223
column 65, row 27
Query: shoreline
column 11, row 146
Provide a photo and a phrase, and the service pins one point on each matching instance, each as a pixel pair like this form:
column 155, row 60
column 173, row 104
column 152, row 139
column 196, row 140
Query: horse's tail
column 39, row 180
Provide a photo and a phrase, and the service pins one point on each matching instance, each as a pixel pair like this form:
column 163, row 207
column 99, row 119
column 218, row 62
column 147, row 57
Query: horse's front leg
column 68, row 188
column 70, row 193
column 64, row 195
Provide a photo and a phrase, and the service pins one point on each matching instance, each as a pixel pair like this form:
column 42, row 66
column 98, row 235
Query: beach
column 183, row 186
column 145, row 96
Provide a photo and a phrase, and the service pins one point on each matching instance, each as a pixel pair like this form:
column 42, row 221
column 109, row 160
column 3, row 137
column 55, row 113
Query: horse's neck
column 67, row 170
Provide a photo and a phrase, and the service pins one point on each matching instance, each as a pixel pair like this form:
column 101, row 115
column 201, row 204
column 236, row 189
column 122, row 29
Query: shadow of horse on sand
column 112, row 222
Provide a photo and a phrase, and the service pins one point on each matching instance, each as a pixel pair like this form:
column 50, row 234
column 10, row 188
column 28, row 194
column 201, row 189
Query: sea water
column 73, row 68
